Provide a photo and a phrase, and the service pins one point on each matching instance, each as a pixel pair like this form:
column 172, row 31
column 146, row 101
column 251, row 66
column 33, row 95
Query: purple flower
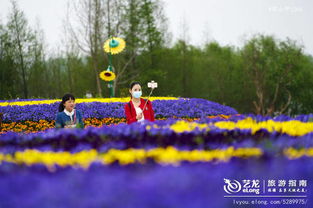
column 193, row 108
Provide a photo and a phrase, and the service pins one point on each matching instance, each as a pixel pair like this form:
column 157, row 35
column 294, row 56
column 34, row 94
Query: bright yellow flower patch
column 169, row 155
column 292, row 153
column 82, row 100
column 292, row 128
column 30, row 157
column 185, row 126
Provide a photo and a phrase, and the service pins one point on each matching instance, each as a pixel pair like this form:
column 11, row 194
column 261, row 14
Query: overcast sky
column 229, row 22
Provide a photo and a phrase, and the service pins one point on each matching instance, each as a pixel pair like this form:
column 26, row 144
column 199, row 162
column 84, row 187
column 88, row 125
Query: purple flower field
column 163, row 109
column 167, row 163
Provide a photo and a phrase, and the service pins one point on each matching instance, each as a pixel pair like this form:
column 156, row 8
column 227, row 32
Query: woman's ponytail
column 61, row 106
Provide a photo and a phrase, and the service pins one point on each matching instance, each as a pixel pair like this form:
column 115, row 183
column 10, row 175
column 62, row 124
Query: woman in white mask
column 135, row 109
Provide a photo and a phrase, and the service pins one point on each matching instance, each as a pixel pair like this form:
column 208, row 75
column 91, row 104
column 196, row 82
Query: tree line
column 266, row 75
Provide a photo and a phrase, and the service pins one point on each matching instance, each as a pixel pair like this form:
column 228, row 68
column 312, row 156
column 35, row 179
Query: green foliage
column 272, row 66
column 263, row 76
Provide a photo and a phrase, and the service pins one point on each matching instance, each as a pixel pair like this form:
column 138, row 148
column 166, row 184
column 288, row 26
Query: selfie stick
column 151, row 85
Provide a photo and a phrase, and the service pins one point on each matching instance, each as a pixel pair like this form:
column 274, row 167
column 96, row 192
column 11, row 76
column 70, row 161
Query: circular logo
column 231, row 187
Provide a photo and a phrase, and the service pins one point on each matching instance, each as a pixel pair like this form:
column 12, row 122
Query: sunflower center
column 107, row 74
column 113, row 43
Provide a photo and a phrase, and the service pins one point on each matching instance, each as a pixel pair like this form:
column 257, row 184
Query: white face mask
column 137, row 94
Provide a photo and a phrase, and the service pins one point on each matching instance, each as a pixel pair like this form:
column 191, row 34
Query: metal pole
column 148, row 98
column 109, row 54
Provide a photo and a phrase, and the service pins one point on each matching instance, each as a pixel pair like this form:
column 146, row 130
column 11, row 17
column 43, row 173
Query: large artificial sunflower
column 107, row 75
column 114, row 45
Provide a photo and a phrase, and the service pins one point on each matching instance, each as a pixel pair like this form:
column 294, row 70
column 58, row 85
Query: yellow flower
column 292, row 127
column 293, row 153
column 83, row 100
column 169, row 155
column 114, row 45
column 184, row 126
column 107, row 75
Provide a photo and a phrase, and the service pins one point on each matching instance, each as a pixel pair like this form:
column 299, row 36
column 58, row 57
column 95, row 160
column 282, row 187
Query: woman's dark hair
column 132, row 85
column 65, row 98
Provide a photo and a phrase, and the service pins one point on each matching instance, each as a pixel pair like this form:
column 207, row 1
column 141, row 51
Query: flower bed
column 188, row 185
column 164, row 108
column 38, row 115
column 172, row 162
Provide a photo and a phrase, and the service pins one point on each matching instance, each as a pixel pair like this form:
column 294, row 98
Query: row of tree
column 266, row 76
